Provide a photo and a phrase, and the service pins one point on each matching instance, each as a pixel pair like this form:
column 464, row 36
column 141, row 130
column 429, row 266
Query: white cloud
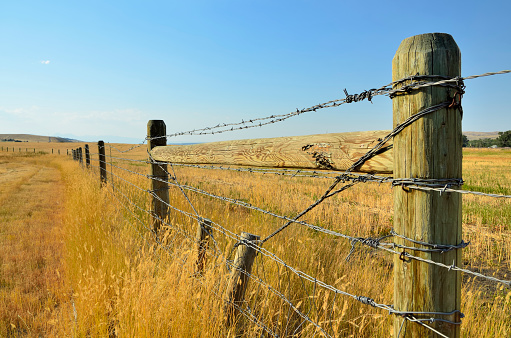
column 45, row 62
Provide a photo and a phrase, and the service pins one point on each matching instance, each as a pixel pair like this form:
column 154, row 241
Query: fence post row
column 87, row 156
column 430, row 148
column 238, row 280
column 102, row 162
column 156, row 136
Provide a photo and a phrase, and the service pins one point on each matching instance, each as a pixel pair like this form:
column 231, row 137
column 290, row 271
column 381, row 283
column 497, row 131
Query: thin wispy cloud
column 45, row 62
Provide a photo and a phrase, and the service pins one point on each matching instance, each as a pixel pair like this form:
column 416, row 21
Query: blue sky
column 101, row 69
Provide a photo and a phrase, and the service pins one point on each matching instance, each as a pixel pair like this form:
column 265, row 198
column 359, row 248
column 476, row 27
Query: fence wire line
column 412, row 183
column 440, row 185
column 369, row 94
column 371, row 242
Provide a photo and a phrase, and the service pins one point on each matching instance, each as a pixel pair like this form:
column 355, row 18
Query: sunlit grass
column 120, row 283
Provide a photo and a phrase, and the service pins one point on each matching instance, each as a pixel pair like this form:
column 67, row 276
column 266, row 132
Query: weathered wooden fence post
column 80, row 155
column 238, row 280
column 156, row 136
column 87, row 156
column 102, row 162
column 74, row 154
column 430, row 149
column 203, row 235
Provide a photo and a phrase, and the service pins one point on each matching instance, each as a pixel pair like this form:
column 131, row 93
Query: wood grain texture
column 430, row 148
column 325, row 151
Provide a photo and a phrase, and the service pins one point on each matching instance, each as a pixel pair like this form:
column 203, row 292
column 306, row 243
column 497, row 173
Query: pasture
column 101, row 272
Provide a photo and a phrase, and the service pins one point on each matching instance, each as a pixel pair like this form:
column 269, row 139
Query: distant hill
column 34, row 138
column 477, row 135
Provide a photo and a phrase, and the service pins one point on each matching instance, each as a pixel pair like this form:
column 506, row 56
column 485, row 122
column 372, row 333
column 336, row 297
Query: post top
column 249, row 237
column 427, row 42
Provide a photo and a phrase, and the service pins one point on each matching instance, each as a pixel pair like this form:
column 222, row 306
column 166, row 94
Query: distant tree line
column 11, row 140
column 504, row 140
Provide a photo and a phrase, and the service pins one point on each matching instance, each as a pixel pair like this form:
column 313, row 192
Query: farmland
column 93, row 269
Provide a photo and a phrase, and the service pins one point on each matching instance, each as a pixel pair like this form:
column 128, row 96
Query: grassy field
column 93, row 269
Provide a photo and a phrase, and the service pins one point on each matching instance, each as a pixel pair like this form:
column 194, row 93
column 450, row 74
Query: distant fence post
column 430, row 148
column 80, row 155
column 74, row 154
column 238, row 280
column 203, row 237
column 87, row 156
column 156, row 136
column 102, row 162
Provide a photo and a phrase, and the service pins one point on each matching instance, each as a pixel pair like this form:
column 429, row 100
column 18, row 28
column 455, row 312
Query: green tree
column 504, row 140
column 465, row 141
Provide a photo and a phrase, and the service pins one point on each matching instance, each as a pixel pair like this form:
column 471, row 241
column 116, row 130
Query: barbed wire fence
column 273, row 276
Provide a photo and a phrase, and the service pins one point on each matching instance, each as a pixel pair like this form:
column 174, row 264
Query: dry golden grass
column 32, row 277
column 119, row 283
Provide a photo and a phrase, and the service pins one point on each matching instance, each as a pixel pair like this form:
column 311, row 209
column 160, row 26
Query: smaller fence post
column 80, row 155
column 74, row 154
column 238, row 280
column 156, row 136
column 87, row 156
column 52, row 150
column 102, row 161
column 59, row 151
column 203, row 235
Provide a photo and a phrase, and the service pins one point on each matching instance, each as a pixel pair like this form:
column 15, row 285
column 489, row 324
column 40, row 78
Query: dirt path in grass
column 32, row 283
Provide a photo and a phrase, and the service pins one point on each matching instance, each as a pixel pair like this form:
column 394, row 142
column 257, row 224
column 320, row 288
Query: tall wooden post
column 203, row 236
column 429, row 148
column 156, row 136
column 102, row 162
column 87, row 156
column 238, row 280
